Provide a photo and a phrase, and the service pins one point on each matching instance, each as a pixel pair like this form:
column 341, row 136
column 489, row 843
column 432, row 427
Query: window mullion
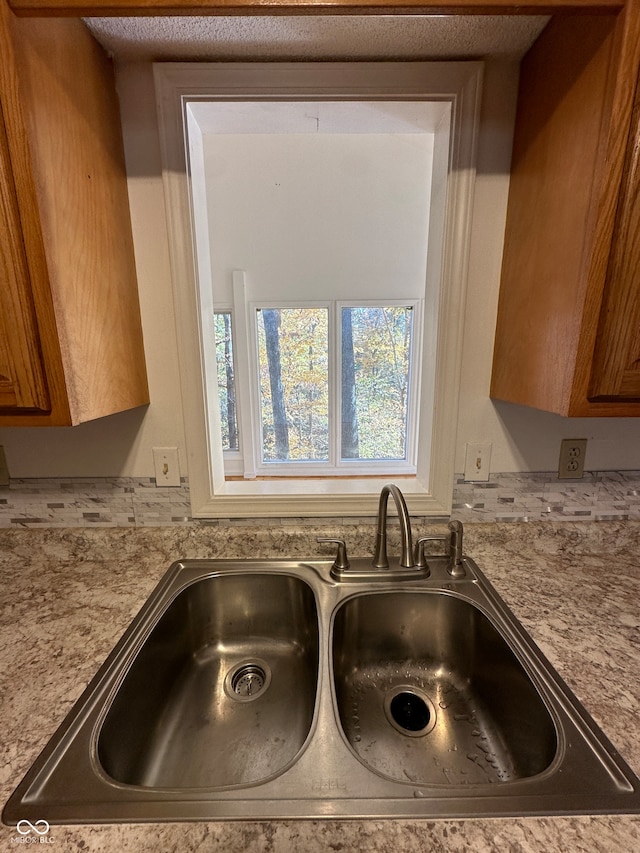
column 335, row 356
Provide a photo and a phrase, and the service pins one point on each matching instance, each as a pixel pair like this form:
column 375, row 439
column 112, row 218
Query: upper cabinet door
column 568, row 328
column 616, row 364
column 71, row 347
column 22, row 379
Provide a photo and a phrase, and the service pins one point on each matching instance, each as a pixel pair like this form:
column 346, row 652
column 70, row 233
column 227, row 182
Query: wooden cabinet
column 70, row 332
column 88, row 8
column 568, row 329
column 616, row 363
column 22, row 377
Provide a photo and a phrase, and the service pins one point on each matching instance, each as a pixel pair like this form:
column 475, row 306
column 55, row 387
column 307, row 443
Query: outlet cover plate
column 571, row 462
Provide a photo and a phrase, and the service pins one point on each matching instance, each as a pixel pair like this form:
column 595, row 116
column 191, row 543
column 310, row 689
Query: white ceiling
column 317, row 37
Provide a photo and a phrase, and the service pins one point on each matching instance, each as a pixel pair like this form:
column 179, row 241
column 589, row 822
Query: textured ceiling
column 317, row 37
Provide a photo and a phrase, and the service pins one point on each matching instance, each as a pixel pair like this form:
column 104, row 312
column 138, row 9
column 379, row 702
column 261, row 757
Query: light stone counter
column 68, row 594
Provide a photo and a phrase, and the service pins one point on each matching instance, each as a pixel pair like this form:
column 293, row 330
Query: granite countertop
column 68, row 594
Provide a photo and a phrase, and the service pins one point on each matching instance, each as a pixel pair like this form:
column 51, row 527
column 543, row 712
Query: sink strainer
column 409, row 710
column 247, row 680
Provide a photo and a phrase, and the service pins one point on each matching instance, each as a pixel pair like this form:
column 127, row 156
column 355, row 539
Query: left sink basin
column 210, row 695
column 230, row 670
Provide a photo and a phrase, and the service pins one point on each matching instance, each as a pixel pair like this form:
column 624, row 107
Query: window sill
column 316, row 498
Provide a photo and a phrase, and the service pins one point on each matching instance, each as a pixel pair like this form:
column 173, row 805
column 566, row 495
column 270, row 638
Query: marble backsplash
column 138, row 502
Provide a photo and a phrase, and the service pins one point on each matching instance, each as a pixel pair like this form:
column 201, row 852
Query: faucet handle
column 420, row 558
column 341, row 561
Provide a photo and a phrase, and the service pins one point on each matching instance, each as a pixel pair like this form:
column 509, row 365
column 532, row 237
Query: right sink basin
column 429, row 692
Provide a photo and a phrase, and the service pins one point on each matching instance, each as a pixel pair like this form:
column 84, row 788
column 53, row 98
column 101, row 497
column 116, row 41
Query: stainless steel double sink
column 265, row 689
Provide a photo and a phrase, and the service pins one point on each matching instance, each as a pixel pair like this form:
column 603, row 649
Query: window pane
column 226, row 380
column 293, row 345
column 376, row 347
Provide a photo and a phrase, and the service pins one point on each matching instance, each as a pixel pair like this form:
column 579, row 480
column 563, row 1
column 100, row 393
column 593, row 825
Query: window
column 334, row 389
column 318, row 217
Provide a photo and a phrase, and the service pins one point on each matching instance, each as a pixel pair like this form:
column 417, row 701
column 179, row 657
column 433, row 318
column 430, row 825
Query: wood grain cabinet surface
column 616, row 363
column 71, row 346
column 568, row 328
column 88, row 8
column 22, row 375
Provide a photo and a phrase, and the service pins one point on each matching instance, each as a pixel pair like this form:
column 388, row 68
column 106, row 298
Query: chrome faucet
column 343, row 570
column 380, row 559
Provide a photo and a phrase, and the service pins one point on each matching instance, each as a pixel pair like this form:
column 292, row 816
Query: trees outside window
column 293, row 351
column 380, row 338
column 226, row 380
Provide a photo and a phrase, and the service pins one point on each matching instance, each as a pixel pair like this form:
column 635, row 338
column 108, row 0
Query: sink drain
column 410, row 711
column 247, row 680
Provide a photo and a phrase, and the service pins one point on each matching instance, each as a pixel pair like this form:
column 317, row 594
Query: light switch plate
column 165, row 461
column 476, row 462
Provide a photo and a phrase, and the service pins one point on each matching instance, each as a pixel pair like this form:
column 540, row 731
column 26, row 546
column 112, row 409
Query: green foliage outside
column 226, row 379
column 382, row 345
column 303, row 344
column 293, row 367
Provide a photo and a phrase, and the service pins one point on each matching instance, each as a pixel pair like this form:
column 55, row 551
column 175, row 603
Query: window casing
column 451, row 90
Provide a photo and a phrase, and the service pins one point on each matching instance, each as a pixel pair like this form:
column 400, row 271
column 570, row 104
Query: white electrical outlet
column 165, row 460
column 476, row 462
column 571, row 462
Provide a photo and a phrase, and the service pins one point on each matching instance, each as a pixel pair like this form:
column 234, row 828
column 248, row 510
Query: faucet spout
column 380, row 559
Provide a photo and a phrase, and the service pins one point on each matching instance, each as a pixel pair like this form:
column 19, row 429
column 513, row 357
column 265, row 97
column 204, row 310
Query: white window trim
column 429, row 492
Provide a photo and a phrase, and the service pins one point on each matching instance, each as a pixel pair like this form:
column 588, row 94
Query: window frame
column 455, row 85
column 235, row 461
